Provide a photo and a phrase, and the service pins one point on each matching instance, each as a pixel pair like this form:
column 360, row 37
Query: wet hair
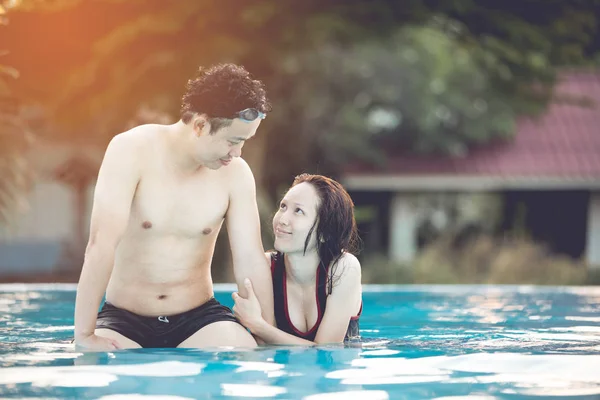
column 336, row 231
column 219, row 92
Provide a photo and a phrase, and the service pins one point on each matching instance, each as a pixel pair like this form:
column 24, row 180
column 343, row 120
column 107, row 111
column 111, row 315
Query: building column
column 593, row 231
column 403, row 224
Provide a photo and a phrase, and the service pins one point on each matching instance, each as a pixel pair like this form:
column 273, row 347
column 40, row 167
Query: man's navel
column 162, row 296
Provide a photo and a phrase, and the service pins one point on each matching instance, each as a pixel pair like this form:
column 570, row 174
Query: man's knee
column 123, row 341
column 222, row 333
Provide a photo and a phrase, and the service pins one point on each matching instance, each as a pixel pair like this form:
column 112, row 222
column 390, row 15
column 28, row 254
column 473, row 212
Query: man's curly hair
column 219, row 92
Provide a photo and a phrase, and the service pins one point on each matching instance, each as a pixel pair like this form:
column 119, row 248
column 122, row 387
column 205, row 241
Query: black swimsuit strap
column 279, row 297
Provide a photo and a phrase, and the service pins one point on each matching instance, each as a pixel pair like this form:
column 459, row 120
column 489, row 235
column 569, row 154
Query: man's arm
column 115, row 187
column 243, row 227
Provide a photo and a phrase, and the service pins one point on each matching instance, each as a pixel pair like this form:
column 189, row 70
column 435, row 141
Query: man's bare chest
column 181, row 207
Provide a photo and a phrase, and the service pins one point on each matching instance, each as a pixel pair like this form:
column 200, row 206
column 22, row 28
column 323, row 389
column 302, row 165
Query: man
column 162, row 194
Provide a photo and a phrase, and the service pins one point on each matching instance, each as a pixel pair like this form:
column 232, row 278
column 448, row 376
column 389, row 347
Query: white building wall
column 403, row 224
column 593, row 231
column 49, row 216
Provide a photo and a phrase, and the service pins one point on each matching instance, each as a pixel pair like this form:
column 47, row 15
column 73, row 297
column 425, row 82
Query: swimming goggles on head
column 250, row 114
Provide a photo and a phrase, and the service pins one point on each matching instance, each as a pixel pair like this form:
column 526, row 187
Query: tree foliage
column 345, row 76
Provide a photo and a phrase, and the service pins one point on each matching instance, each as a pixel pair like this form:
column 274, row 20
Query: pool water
column 418, row 342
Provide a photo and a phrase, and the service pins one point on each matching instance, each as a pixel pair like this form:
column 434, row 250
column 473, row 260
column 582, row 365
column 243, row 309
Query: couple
column 162, row 194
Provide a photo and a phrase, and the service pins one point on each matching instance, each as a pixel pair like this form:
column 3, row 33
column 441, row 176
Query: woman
column 316, row 280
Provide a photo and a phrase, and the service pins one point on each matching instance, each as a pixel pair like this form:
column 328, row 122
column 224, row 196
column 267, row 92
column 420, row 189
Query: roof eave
column 366, row 182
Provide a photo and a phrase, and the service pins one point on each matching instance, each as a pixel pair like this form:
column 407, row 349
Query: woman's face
column 296, row 215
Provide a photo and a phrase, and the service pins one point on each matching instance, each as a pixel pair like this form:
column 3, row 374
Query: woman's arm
column 343, row 303
column 272, row 335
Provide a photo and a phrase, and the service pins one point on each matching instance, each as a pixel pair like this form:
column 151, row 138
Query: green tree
column 422, row 89
column 345, row 76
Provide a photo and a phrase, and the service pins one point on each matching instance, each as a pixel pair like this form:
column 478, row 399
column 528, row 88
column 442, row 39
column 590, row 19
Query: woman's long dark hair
column 336, row 230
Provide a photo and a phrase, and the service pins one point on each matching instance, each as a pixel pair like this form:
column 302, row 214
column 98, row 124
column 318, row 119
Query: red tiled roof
column 563, row 143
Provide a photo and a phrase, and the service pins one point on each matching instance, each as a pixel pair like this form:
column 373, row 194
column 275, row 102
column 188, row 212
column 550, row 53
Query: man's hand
column 248, row 310
column 97, row 343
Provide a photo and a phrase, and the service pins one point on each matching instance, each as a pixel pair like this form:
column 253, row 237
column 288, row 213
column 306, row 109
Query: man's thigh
column 123, row 341
column 221, row 333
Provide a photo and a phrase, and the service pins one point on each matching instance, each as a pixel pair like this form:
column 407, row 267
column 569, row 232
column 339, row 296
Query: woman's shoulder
column 269, row 255
column 273, row 256
column 347, row 281
column 348, row 269
column 349, row 260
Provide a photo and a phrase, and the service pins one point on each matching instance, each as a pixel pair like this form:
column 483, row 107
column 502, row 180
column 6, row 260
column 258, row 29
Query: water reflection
column 433, row 342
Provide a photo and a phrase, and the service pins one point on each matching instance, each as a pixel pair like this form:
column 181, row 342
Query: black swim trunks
column 163, row 331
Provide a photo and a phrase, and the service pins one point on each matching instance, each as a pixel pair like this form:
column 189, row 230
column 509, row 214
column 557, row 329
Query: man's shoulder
column 239, row 179
column 238, row 164
column 135, row 137
column 127, row 149
column 239, row 171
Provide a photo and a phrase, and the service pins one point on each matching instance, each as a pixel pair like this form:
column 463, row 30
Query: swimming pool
column 419, row 342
